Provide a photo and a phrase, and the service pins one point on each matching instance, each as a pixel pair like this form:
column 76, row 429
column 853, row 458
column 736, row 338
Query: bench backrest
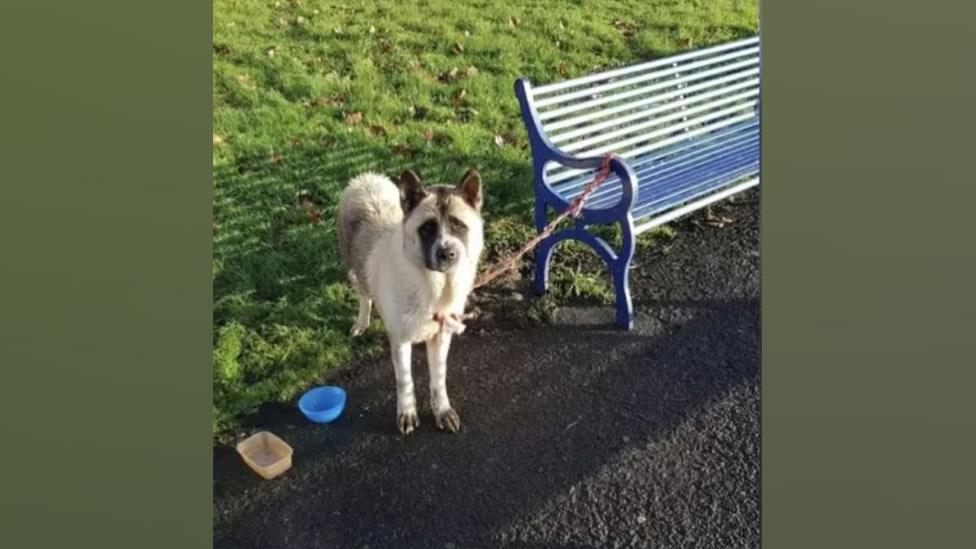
column 635, row 110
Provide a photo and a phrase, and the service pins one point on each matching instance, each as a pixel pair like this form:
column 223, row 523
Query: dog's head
column 442, row 225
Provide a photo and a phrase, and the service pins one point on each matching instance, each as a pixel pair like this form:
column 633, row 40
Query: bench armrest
column 544, row 152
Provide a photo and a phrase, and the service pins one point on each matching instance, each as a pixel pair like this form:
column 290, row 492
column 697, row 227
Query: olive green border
column 105, row 275
column 868, row 274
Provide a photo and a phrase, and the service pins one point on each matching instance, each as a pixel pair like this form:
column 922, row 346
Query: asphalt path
column 575, row 434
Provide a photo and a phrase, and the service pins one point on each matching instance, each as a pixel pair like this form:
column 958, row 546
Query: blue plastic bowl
column 322, row 404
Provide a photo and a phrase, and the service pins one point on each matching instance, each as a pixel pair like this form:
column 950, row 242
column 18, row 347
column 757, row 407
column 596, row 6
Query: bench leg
column 543, row 254
column 619, row 264
column 620, row 272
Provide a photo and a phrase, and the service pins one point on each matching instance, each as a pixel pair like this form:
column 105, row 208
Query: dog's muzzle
column 443, row 258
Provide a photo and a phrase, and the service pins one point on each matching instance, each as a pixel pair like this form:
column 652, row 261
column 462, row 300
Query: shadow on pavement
column 542, row 410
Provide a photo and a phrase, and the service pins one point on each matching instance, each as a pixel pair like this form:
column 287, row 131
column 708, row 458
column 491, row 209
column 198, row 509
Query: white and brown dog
column 413, row 251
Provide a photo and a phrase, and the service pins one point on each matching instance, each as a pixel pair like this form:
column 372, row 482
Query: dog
column 413, row 251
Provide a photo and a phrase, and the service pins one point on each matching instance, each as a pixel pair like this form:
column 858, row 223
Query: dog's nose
column 446, row 254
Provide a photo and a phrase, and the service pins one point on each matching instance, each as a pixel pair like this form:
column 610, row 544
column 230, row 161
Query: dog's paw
column 448, row 420
column 407, row 422
column 358, row 329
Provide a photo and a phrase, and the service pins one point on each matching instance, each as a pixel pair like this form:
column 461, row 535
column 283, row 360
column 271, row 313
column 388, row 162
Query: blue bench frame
column 544, row 152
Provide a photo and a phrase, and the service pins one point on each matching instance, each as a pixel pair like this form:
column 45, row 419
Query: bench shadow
column 543, row 408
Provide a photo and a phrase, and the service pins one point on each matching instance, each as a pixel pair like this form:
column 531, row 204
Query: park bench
column 683, row 131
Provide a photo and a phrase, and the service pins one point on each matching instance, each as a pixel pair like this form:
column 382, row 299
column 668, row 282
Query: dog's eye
column 429, row 227
column 457, row 225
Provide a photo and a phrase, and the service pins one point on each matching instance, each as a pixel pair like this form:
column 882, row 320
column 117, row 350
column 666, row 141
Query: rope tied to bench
column 511, row 261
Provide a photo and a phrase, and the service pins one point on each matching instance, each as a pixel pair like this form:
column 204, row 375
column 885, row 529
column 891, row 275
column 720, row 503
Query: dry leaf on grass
column 217, row 140
column 499, row 140
column 459, row 96
column 427, row 135
column 449, row 76
column 457, row 48
column 354, row 118
column 684, row 42
column 311, row 209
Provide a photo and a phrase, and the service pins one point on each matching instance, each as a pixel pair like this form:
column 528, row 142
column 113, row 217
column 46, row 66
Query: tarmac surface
column 575, row 434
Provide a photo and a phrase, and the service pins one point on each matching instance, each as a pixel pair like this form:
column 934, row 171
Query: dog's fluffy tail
column 369, row 207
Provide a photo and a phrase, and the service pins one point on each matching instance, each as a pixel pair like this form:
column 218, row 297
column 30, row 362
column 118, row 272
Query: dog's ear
column 411, row 191
column 470, row 189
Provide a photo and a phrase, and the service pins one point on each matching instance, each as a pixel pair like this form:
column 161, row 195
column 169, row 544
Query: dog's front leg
column 407, row 419
column 445, row 416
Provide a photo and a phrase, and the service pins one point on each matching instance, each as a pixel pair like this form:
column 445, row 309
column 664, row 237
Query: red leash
column 510, row 262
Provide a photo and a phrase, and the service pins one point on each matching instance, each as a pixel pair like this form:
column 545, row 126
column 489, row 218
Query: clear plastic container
column 267, row 454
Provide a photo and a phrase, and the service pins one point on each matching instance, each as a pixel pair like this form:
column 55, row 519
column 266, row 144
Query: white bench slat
column 711, row 83
column 656, row 75
column 684, row 79
column 557, row 86
column 691, row 151
column 569, row 174
column 683, row 109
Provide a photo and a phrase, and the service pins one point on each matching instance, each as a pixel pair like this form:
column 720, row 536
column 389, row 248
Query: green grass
column 307, row 94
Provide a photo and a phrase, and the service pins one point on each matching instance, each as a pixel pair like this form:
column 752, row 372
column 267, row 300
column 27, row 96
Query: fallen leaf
column 372, row 29
column 354, row 118
column 217, row 140
column 457, row 48
column 625, row 27
column 245, row 80
column 427, row 135
column 514, row 22
column 300, row 20
column 328, row 101
column 270, row 52
column 471, row 71
column 459, row 96
column 449, row 76
column 419, row 112
column 499, row 140
column 467, row 114
column 307, row 203
column 684, row 42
